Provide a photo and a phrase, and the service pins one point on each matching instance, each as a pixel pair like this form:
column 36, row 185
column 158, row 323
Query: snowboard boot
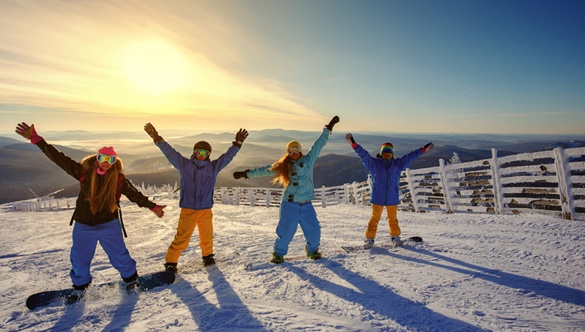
column 132, row 282
column 276, row 259
column 314, row 255
column 78, row 293
column 132, row 286
column 76, row 296
column 396, row 241
column 208, row 260
column 368, row 243
column 171, row 267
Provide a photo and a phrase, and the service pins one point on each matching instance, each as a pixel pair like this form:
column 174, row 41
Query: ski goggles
column 104, row 158
column 293, row 149
column 201, row 153
column 386, row 149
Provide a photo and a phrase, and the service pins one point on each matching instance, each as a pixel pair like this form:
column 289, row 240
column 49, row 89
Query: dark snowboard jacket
column 83, row 212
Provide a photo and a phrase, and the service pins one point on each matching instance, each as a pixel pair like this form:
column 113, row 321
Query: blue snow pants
column 85, row 239
column 291, row 215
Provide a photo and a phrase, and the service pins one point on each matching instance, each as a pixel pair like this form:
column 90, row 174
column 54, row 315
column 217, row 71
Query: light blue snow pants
column 291, row 215
column 85, row 239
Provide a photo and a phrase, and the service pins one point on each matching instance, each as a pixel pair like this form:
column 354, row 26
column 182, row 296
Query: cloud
column 70, row 55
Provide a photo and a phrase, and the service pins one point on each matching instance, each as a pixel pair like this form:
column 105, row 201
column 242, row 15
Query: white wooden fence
column 548, row 182
column 50, row 204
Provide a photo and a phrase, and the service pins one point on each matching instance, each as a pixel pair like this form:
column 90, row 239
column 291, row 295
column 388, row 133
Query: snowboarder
column 97, row 210
column 294, row 171
column 198, row 177
column 385, row 171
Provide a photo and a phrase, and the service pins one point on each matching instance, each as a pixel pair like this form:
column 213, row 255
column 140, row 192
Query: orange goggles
column 294, row 149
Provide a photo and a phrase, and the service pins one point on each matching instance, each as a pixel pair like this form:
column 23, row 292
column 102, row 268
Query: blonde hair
column 102, row 196
column 283, row 170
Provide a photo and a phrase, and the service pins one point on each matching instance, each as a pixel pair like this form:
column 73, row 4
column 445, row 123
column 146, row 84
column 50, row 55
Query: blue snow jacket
column 385, row 175
column 301, row 184
column 198, row 177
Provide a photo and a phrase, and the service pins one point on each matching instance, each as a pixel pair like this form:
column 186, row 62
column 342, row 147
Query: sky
column 455, row 66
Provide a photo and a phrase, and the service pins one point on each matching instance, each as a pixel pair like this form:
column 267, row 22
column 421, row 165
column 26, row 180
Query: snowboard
column 146, row 282
column 412, row 239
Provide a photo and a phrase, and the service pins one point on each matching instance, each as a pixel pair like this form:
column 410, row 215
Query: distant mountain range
column 24, row 169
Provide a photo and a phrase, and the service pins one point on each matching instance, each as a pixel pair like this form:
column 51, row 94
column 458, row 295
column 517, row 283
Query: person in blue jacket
column 294, row 171
column 385, row 171
column 198, row 177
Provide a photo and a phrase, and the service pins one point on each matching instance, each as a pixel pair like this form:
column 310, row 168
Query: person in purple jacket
column 198, row 177
column 385, row 171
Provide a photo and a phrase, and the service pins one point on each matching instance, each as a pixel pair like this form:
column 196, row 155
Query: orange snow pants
column 188, row 220
column 377, row 215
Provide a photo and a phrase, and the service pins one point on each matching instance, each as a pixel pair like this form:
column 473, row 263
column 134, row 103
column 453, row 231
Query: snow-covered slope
column 472, row 273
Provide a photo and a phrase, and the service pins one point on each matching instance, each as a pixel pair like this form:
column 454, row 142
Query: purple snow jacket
column 386, row 175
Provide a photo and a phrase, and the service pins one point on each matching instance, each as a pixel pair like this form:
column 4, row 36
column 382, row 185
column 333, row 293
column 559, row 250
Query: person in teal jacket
column 198, row 177
column 385, row 171
column 294, row 171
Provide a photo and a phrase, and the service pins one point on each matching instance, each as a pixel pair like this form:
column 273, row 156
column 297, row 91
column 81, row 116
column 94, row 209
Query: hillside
column 24, row 168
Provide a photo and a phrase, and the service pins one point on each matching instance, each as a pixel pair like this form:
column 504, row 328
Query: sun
column 155, row 67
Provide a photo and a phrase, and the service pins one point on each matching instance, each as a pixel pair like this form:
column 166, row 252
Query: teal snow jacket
column 386, row 175
column 301, row 185
column 198, row 177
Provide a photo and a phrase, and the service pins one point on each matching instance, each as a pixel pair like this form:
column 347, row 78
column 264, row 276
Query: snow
column 474, row 272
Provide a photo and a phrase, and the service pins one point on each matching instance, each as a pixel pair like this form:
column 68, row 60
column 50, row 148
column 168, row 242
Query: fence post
column 411, row 188
column 237, row 195
column 496, row 187
column 445, row 184
column 268, row 197
column 567, row 204
column 323, row 197
column 346, row 193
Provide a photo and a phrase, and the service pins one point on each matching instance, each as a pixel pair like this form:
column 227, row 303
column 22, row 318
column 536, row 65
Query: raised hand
column 349, row 138
column 429, row 146
column 28, row 132
column 332, row 123
column 151, row 131
column 241, row 136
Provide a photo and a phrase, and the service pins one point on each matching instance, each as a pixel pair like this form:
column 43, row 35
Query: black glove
column 151, row 131
column 332, row 123
column 428, row 147
column 240, row 137
column 238, row 175
column 349, row 138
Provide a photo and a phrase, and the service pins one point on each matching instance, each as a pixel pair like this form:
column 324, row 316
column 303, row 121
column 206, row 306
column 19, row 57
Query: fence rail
column 547, row 182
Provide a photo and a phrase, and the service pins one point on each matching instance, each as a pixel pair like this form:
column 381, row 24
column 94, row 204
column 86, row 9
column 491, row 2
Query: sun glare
column 155, row 67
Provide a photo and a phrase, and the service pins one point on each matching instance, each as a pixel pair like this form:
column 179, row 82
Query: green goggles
column 201, row 153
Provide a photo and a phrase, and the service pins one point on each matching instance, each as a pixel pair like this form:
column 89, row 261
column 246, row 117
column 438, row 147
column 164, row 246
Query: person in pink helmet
column 97, row 210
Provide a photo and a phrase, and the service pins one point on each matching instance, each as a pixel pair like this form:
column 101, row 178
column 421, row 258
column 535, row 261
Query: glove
column 151, row 131
column 241, row 136
column 349, row 138
column 28, row 132
column 332, row 123
column 158, row 210
column 238, row 175
column 429, row 146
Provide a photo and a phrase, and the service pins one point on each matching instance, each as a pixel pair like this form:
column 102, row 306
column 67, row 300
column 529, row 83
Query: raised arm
column 69, row 165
